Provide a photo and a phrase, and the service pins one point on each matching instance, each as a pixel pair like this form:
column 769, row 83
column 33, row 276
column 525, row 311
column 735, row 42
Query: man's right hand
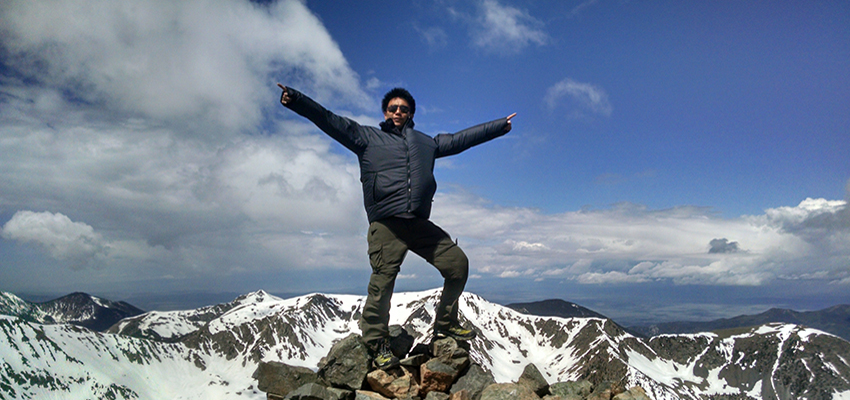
column 284, row 97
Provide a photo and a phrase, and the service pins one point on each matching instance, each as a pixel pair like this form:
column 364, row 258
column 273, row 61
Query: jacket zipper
column 407, row 155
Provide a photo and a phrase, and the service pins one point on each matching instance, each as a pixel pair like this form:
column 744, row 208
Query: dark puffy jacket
column 396, row 166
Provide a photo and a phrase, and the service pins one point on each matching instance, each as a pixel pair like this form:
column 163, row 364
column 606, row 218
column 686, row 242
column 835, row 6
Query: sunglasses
column 404, row 109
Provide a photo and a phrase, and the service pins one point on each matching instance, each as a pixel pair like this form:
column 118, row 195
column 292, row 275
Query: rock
column 461, row 395
column 571, row 390
column 422, row 349
column 279, row 378
column 535, row 381
column 400, row 341
column 635, row 393
column 398, row 382
column 314, row 391
column 474, row 382
column 508, row 391
column 437, row 376
column 367, row 395
column 606, row 391
column 452, row 353
column 414, row 361
column 437, row 396
column 347, row 364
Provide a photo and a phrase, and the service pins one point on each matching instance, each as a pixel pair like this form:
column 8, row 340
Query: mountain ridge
column 834, row 319
column 216, row 350
column 77, row 308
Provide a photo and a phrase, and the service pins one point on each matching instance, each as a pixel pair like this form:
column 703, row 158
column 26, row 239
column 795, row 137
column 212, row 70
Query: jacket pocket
column 384, row 185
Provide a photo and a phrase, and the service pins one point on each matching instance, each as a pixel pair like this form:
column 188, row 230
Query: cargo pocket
column 375, row 259
column 386, row 252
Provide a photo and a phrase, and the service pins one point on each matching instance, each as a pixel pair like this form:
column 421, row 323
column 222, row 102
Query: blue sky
column 669, row 160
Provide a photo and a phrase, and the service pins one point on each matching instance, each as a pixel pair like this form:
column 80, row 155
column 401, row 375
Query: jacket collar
column 389, row 127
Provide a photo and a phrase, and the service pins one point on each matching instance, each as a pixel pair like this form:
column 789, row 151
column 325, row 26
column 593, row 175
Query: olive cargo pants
column 389, row 241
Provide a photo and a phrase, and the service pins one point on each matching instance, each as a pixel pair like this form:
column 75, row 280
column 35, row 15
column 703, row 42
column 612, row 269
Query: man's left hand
column 508, row 128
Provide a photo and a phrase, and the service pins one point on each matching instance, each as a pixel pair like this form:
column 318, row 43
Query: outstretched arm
column 453, row 143
column 343, row 130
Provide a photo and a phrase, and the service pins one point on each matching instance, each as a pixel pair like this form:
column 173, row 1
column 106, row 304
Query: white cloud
column 133, row 115
column 434, row 37
column 582, row 6
column 629, row 243
column 509, row 274
column 62, row 238
column 585, row 95
column 206, row 61
column 610, row 277
column 504, row 29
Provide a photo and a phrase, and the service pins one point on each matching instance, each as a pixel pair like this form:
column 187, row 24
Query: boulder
column 367, row 395
column 414, row 361
column 421, row 349
column 606, row 390
column 461, row 395
column 400, row 341
column 451, row 352
column 534, row 380
column 576, row 390
column 314, row 391
column 635, row 393
column 437, row 396
column 395, row 383
column 508, row 391
column 279, row 378
column 435, row 375
column 347, row 364
column 474, row 381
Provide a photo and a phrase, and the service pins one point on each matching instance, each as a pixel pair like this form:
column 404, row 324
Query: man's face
column 398, row 110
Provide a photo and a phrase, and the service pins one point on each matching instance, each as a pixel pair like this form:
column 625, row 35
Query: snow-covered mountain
column 835, row 320
column 212, row 352
column 76, row 308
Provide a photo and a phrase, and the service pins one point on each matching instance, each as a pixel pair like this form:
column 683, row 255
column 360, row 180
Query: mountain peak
column 259, row 296
column 555, row 308
column 219, row 347
column 77, row 308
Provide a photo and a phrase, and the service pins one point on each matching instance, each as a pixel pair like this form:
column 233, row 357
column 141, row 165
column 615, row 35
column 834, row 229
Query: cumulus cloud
column 722, row 246
column 152, row 118
column 62, row 238
column 584, row 95
column 502, row 29
column 631, row 244
column 208, row 62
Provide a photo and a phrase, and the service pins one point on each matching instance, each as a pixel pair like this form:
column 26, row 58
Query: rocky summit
column 441, row 370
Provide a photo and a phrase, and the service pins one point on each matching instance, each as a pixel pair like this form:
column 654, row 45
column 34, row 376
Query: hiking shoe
column 456, row 332
column 384, row 357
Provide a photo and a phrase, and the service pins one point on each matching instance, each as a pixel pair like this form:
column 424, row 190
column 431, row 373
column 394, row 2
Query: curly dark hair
column 402, row 93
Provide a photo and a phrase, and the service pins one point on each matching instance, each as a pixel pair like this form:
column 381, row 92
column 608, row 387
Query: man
column 397, row 172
